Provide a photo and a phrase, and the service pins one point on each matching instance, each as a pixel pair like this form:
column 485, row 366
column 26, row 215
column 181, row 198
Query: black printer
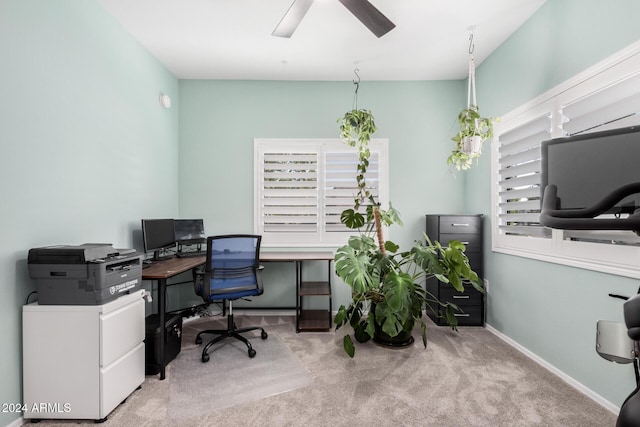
column 88, row 274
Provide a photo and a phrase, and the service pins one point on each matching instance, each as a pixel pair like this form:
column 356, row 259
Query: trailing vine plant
column 473, row 129
column 384, row 281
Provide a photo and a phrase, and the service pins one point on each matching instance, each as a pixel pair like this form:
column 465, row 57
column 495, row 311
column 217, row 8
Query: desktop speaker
column 172, row 344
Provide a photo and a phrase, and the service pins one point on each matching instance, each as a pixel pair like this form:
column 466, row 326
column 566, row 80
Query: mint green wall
column 85, row 149
column 551, row 309
column 220, row 119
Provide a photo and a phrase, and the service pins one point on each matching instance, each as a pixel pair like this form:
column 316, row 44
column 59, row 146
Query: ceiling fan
column 367, row 13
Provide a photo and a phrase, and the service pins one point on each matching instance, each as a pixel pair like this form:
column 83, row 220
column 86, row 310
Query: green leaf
column 450, row 317
column 390, row 246
column 341, row 317
column 423, row 333
column 363, row 243
column 349, row 348
column 360, row 332
column 353, row 268
column 351, row 218
column 398, row 288
column 477, row 284
column 393, row 215
column 370, row 328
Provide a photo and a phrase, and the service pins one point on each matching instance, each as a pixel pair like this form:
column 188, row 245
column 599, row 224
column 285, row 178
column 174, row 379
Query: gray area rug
column 230, row 377
column 468, row 378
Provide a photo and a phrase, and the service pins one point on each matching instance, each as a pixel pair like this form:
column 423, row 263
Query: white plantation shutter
column 519, row 178
column 341, row 185
column 290, row 192
column 303, row 185
column 615, row 106
column 606, row 96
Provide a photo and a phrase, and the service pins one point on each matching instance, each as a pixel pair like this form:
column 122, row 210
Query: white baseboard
column 251, row 312
column 557, row 372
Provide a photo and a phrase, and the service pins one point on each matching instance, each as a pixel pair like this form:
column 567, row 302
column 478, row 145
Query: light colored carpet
column 468, row 378
column 230, row 377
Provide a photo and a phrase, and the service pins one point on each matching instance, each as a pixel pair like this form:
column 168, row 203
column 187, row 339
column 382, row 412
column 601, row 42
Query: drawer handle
column 465, row 243
column 459, row 225
column 461, row 315
column 461, row 297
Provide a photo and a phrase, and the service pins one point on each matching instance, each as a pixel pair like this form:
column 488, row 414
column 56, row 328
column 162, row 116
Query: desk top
column 174, row 266
column 171, row 267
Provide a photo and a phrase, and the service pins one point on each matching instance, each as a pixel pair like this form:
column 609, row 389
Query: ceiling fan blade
column 371, row 17
column 292, row 18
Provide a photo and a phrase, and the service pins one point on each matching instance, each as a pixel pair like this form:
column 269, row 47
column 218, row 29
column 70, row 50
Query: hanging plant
column 474, row 129
column 356, row 128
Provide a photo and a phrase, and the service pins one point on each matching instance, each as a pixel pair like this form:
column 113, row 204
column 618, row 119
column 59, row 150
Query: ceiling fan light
column 292, row 18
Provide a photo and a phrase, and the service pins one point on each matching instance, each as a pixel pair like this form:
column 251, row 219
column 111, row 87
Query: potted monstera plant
column 387, row 292
column 473, row 131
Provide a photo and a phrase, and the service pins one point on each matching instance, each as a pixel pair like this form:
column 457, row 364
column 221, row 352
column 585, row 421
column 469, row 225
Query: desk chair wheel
column 199, row 340
column 264, row 335
column 205, row 358
column 252, row 352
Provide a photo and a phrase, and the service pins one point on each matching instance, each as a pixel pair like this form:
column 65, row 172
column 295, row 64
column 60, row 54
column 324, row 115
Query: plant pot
column 403, row 339
column 471, row 144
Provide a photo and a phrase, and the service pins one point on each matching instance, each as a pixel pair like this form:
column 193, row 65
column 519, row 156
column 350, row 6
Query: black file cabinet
column 468, row 230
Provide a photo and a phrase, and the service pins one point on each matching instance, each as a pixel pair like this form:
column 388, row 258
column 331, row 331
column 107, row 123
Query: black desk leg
column 162, row 296
column 298, row 266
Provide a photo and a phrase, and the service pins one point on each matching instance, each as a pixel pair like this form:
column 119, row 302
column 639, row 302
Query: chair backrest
column 233, row 251
column 232, row 269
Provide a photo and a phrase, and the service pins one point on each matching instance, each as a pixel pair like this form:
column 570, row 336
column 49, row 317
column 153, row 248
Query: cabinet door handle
column 461, row 297
column 461, row 314
column 459, row 225
column 465, row 243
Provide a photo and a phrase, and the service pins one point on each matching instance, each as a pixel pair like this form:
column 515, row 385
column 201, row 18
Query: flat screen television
column 189, row 232
column 586, row 168
column 157, row 235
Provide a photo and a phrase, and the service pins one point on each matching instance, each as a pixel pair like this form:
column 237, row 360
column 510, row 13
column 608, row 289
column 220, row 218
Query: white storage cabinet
column 81, row 361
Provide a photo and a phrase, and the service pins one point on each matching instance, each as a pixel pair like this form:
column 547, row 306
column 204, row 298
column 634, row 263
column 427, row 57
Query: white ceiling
column 231, row 39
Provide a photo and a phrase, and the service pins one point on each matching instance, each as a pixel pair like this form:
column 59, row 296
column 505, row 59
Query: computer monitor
column 189, row 232
column 586, row 168
column 157, row 235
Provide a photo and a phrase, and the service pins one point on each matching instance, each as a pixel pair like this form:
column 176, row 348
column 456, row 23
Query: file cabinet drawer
column 469, row 297
column 472, row 242
column 460, row 224
column 470, row 316
column 120, row 377
column 121, row 329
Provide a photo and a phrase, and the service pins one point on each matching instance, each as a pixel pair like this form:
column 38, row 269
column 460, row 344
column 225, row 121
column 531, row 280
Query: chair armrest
column 259, row 277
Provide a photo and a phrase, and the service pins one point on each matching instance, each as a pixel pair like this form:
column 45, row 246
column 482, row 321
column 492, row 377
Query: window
column 303, row 185
column 604, row 97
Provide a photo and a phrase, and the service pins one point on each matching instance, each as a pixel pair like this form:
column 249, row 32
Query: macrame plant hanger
column 471, row 90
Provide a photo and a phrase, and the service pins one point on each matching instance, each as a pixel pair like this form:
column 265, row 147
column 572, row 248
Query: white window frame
column 320, row 236
column 621, row 260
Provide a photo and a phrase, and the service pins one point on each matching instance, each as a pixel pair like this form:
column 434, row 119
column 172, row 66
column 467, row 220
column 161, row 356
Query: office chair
column 232, row 271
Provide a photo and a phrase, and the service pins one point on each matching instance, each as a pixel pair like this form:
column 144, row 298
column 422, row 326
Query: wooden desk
column 161, row 271
column 306, row 319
